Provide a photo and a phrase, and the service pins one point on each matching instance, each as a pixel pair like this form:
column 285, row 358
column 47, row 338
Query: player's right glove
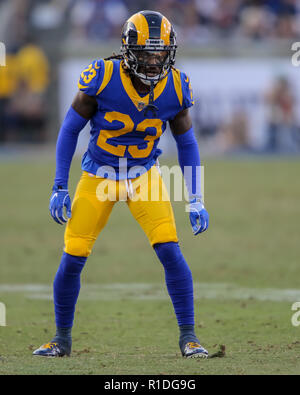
column 59, row 201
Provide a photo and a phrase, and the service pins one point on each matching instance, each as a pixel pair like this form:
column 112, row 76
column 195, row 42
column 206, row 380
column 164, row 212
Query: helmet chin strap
column 151, row 106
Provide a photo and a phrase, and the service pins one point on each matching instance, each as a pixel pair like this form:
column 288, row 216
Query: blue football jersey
column 120, row 132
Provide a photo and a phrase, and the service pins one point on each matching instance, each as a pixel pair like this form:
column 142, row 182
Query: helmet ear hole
column 132, row 36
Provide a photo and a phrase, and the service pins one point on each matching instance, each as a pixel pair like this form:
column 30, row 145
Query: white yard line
column 143, row 291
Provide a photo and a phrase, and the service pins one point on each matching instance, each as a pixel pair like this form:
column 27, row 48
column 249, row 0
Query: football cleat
column 194, row 350
column 51, row 349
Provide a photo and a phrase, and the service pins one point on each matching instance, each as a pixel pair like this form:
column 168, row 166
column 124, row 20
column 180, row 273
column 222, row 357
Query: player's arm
column 188, row 152
column 189, row 161
column 80, row 112
column 84, row 105
column 181, row 123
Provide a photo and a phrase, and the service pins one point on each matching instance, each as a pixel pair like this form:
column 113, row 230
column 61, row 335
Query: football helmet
column 148, row 46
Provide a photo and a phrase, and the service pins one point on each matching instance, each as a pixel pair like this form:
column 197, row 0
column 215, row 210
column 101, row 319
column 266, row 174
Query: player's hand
column 59, row 201
column 199, row 217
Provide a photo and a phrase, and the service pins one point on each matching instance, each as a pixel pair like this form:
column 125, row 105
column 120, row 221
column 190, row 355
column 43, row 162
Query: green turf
column 252, row 242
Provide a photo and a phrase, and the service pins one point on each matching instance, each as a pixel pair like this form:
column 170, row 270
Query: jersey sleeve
column 91, row 78
column 187, row 92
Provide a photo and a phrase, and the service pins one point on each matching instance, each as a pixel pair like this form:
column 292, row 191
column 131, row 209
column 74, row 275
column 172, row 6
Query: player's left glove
column 199, row 217
column 59, row 200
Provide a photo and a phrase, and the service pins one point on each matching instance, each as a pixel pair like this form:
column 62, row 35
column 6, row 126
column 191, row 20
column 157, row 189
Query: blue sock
column 187, row 334
column 179, row 281
column 66, row 289
column 63, row 337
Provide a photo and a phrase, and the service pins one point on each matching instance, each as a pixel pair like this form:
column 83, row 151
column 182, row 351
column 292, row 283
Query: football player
column 128, row 99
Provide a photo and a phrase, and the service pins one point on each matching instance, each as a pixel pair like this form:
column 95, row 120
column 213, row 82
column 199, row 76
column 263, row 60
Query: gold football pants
column 146, row 197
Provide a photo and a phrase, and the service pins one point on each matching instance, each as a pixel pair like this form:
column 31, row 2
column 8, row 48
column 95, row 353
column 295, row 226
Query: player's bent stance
column 129, row 101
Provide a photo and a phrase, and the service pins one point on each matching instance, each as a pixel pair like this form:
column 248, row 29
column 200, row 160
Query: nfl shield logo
column 141, row 105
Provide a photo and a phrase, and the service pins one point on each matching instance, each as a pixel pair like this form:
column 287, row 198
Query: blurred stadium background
column 237, row 54
column 246, row 267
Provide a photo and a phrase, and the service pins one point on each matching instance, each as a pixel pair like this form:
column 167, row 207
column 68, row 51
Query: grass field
column 245, row 267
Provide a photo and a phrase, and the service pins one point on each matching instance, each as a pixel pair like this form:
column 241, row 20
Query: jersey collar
column 140, row 102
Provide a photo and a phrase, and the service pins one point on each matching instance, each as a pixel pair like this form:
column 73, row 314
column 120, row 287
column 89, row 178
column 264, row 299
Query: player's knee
column 167, row 252
column 78, row 247
column 171, row 258
column 72, row 265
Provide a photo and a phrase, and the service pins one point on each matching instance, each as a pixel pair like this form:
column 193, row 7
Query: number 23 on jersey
column 133, row 150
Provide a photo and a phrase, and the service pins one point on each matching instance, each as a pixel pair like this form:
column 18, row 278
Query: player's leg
column 89, row 216
column 156, row 218
column 179, row 283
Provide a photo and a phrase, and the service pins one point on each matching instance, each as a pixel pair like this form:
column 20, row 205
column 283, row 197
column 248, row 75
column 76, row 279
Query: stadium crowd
column 195, row 20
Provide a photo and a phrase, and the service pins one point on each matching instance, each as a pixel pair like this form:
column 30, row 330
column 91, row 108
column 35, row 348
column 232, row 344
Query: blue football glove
column 199, row 217
column 59, row 200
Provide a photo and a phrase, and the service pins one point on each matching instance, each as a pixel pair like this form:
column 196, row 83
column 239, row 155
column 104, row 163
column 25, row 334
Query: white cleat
column 194, row 350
